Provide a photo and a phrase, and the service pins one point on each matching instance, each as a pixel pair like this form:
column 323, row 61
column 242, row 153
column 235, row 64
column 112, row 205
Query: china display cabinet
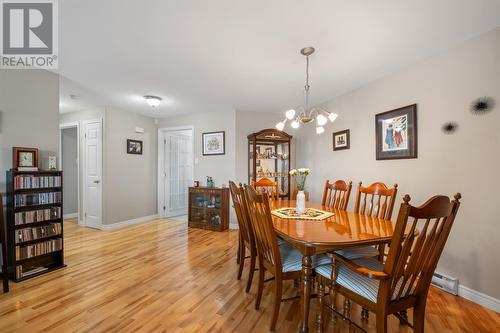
column 269, row 157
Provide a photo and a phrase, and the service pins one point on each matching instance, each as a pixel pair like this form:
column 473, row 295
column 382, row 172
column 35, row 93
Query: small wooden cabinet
column 209, row 208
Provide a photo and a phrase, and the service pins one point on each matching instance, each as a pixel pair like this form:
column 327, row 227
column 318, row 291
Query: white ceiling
column 202, row 56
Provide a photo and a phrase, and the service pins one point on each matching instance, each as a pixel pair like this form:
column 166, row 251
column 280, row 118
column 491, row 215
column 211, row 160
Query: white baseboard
column 478, row 297
column 128, row 222
column 70, row 216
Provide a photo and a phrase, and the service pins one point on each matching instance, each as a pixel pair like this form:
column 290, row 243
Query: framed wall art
column 396, row 133
column 213, row 143
column 134, row 147
column 25, row 158
column 341, row 140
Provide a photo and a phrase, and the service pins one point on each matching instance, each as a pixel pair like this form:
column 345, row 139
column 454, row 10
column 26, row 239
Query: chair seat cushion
column 291, row 259
column 359, row 252
column 360, row 284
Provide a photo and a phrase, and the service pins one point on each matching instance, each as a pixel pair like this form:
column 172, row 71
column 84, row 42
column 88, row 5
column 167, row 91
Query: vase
column 301, row 203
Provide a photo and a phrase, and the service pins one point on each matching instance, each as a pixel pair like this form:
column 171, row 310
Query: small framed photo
column 23, row 158
column 396, row 133
column 213, row 143
column 134, row 147
column 341, row 140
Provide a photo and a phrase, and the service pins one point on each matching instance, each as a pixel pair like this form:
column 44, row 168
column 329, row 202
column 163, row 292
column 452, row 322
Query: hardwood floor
column 162, row 277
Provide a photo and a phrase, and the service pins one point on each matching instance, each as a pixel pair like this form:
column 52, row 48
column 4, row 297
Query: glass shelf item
column 269, row 157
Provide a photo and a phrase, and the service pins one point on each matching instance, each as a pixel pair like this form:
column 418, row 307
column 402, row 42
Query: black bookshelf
column 35, row 237
column 3, row 247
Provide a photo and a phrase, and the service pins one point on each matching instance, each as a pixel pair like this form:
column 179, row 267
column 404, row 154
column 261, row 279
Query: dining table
column 340, row 231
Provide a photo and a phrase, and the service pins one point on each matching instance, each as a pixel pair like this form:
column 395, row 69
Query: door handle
column 97, row 181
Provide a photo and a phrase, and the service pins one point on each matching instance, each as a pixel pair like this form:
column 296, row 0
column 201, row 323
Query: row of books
column 24, row 272
column 29, row 199
column 33, row 250
column 39, row 215
column 30, row 182
column 28, row 234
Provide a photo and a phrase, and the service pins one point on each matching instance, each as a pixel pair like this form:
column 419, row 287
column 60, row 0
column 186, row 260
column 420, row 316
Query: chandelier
column 306, row 114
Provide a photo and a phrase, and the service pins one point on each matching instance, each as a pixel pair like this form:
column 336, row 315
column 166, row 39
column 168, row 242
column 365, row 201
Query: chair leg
column 261, row 286
column 381, row 322
column 242, row 261
column 277, row 302
column 238, row 254
column 253, row 256
column 333, row 300
column 321, row 302
column 419, row 317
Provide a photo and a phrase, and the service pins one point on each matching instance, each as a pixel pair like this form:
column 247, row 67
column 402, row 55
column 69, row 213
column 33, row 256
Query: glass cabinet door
column 269, row 157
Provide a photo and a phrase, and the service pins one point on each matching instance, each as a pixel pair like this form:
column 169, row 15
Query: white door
column 92, row 206
column 178, row 171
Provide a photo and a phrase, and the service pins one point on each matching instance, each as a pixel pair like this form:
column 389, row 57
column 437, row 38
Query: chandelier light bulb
column 280, row 126
column 321, row 120
column 290, row 114
column 332, row 117
column 295, row 124
column 320, row 130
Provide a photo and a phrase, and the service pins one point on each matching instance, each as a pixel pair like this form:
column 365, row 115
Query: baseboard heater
column 446, row 283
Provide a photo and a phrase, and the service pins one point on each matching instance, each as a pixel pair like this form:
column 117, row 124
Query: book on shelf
column 34, row 233
column 22, row 182
column 28, row 199
column 21, row 273
column 39, row 215
column 38, row 249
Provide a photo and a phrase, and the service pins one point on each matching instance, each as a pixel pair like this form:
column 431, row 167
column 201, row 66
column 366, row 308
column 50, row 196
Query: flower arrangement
column 300, row 176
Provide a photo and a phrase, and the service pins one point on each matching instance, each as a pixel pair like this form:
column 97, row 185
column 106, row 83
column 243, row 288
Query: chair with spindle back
column 281, row 260
column 3, row 241
column 246, row 236
column 376, row 200
column 336, row 195
column 403, row 281
column 268, row 186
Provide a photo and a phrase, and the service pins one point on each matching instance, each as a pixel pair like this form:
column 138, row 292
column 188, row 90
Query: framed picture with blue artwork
column 396, row 133
column 213, row 143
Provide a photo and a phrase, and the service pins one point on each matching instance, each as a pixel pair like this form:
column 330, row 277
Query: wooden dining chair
column 376, row 200
column 246, row 236
column 268, row 186
column 282, row 261
column 3, row 241
column 336, row 195
column 403, row 281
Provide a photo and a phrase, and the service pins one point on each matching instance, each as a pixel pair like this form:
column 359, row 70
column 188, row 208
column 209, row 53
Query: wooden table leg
column 305, row 295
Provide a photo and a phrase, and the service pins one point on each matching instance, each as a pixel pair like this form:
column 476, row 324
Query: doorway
column 175, row 170
column 69, row 162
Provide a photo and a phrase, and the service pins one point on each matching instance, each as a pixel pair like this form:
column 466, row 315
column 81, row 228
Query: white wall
column 69, row 143
column 129, row 181
column 467, row 161
column 220, row 167
column 29, row 111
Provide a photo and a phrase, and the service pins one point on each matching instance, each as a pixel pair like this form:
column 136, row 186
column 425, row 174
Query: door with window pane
column 178, row 168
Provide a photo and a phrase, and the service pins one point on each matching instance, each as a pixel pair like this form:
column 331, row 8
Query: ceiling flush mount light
column 306, row 114
column 153, row 101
